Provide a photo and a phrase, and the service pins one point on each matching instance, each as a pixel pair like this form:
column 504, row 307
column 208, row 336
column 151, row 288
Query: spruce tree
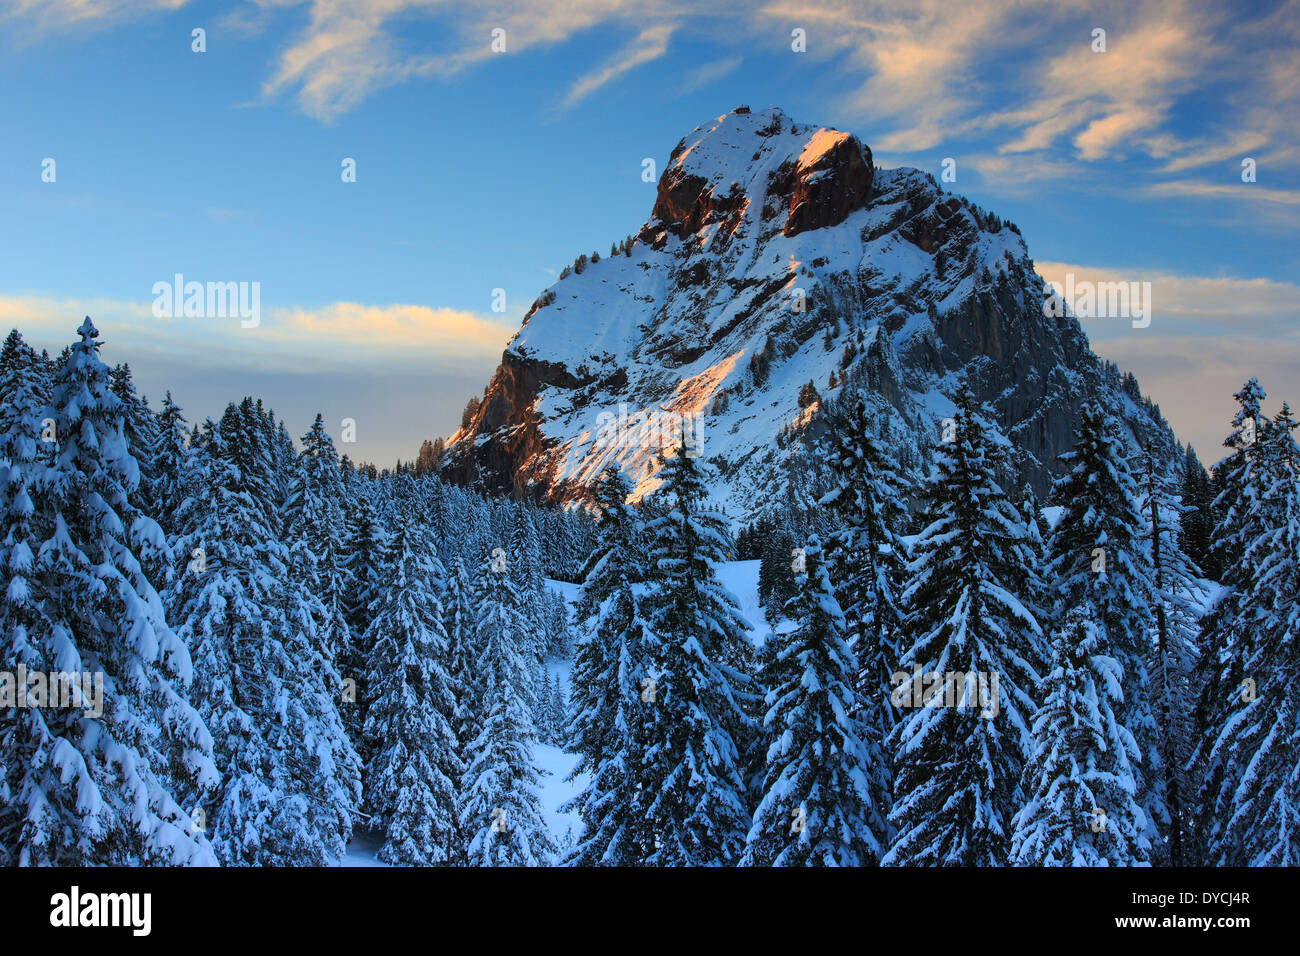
column 618, row 553
column 776, row 572
column 610, row 730
column 1172, row 656
column 1225, row 686
column 464, row 653
column 170, row 447
column 28, row 812
column 865, row 559
column 105, row 790
column 692, row 794
column 266, row 683
column 1098, row 556
column 414, row 772
column 140, row 429
column 959, row 751
column 543, row 716
column 525, row 569
column 560, row 713
column 365, row 566
column 817, row 807
column 500, row 813
column 1197, row 525
column 1258, row 743
column 221, row 604
column 1078, row 783
column 612, row 565
column 315, row 522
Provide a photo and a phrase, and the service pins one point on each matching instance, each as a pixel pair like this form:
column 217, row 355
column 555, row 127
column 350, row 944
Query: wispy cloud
column 999, row 79
column 1238, row 192
column 1207, row 335
column 996, row 78
column 649, row 45
column 1024, row 79
column 350, row 49
column 346, row 334
column 708, row 74
column 921, row 59
column 1118, row 100
column 49, row 16
column 1018, row 172
column 1243, row 308
column 934, row 69
column 382, row 331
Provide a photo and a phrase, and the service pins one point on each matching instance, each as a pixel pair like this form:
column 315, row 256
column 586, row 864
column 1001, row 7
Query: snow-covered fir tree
column 959, row 749
column 596, row 658
column 1098, row 556
column 1175, row 599
column 543, row 716
column 1242, row 481
column 413, row 777
column 365, row 561
column 817, row 807
column 500, row 814
column 615, row 830
column 525, row 569
column 1197, row 525
column 692, row 793
column 140, row 428
column 618, row 553
column 104, row 787
column 267, row 686
column 463, row 653
column 865, row 558
column 1079, row 786
column 169, row 452
column 776, row 584
column 1256, row 743
column 27, row 811
column 559, row 713
column 314, row 520
column 219, row 600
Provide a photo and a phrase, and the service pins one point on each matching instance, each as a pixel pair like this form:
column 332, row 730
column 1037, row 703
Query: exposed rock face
column 835, row 183
column 830, row 179
column 777, row 255
column 507, row 413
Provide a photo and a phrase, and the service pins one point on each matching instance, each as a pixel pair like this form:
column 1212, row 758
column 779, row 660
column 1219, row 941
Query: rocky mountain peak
column 779, row 273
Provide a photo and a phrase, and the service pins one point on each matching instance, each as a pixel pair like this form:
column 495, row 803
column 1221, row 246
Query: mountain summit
column 779, row 272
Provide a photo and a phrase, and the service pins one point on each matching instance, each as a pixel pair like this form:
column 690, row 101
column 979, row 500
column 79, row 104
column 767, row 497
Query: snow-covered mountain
column 778, row 269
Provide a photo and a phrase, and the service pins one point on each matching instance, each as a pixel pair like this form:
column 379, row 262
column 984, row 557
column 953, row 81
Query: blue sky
column 479, row 170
